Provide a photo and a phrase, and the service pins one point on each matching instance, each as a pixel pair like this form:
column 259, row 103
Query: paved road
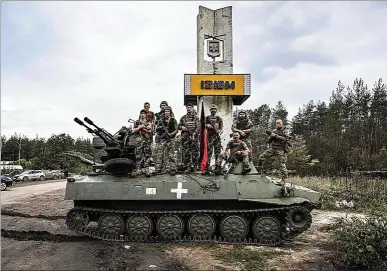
column 14, row 193
column 20, row 184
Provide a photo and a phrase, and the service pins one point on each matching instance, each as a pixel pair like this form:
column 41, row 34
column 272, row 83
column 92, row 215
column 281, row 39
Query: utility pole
column 19, row 147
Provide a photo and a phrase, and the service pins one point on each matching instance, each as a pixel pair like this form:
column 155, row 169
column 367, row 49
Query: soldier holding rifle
column 214, row 125
column 142, row 128
column 243, row 125
column 278, row 140
column 166, row 130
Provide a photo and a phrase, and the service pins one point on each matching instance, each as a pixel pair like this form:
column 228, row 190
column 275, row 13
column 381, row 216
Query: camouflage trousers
column 281, row 155
column 213, row 146
column 190, row 152
column 143, row 152
column 249, row 145
column 165, row 156
column 244, row 158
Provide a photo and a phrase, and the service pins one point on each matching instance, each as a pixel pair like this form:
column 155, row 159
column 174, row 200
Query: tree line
column 347, row 133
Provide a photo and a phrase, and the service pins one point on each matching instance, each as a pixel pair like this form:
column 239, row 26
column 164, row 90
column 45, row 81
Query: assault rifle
column 163, row 129
column 242, row 137
column 230, row 159
column 268, row 132
column 216, row 132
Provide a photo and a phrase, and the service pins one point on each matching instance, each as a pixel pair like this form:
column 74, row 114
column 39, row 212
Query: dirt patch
column 51, row 204
column 199, row 257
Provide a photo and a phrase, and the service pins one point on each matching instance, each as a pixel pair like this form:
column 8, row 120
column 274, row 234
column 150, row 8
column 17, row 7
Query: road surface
column 15, row 193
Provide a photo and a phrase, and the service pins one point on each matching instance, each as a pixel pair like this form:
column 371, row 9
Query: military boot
column 147, row 172
column 246, row 168
column 218, row 170
column 284, row 188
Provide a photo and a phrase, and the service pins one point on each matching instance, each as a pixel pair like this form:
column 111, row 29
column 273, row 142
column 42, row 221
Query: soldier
column 214, row 126
column 278, row 149
column 243, row 125
column 189, row 126
column 143, row 130
column 238, row 151
column 166, row 129
column 158, row 115
column 150, row 116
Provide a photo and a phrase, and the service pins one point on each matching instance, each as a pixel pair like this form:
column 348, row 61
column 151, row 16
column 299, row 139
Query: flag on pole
column 203, row 140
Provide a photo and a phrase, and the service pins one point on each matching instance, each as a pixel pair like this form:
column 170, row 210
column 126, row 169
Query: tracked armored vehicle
column 110, row 204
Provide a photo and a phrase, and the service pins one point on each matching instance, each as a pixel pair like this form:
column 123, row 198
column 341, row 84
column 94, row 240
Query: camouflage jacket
column 242, row 125
column 279, row 141
column 142, row 133
column 236, row 146
column 170, row 125
column 191, row 123
column 217, row 122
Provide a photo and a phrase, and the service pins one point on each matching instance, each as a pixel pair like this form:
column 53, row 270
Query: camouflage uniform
column 278, row 149
column 243, row 124
column 165, row 131
column 234, row 146
column 190, row 141
column 214, row 143
column 143, row 145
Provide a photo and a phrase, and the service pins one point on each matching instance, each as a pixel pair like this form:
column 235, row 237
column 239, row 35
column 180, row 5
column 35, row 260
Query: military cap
column 168, row 108
column 164, row 102
column 242, row 111
column 213, row 106
column 189, row 105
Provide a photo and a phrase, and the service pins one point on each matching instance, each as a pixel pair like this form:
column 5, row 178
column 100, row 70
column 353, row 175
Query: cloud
column 105, row 59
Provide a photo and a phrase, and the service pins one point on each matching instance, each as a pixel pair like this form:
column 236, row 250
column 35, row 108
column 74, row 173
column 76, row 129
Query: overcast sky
column 103, row 60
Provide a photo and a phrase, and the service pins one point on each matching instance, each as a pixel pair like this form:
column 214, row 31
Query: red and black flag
column 203, row 140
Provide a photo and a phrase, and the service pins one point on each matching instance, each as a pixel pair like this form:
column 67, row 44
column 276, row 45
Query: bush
column 362, row 242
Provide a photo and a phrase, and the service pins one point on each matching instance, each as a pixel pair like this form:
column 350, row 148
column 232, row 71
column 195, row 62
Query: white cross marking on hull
column 180, row 190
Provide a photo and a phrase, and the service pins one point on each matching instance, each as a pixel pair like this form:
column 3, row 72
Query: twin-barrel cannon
column 120, row 158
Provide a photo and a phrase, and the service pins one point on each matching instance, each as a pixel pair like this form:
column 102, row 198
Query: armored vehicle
column 110, row 204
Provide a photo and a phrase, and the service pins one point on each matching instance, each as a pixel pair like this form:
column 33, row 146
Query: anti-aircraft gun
column 240, row 208
column 120, row 148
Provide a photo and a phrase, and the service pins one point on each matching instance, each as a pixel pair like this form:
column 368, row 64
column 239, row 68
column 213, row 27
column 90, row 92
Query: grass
column 362, row 191
column 243, row 257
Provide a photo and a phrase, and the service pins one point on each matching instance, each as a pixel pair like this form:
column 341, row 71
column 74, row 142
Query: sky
column 103, row 60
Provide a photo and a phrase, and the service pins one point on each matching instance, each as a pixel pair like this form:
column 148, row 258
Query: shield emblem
column 213, row 48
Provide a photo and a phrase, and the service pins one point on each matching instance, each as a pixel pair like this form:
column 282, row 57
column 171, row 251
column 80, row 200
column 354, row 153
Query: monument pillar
column 218, row 24
column 215, row 82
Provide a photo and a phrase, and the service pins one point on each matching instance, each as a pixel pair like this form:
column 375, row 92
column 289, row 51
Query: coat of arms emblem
column 213, row 48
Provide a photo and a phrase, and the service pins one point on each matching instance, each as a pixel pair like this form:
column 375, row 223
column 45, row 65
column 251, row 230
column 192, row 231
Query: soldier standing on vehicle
column 279, row 147
column 189, row 126
column 166, row 130
column 236, row 151
column 243, row 125
column 143, row 130
column 214, row 125
column 150, row 116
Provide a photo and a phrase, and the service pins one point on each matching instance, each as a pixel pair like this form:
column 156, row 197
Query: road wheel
column 25, row 179
column 41, row 178
column 3, row 186
column 170, row 226
column 234, row 227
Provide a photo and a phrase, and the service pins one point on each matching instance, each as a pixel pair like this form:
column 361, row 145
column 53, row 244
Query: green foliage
column 39, row 153
column 362, row 242
column 250, row 259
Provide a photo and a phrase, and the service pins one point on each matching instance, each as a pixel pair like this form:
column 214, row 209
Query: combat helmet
column 213, row 106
